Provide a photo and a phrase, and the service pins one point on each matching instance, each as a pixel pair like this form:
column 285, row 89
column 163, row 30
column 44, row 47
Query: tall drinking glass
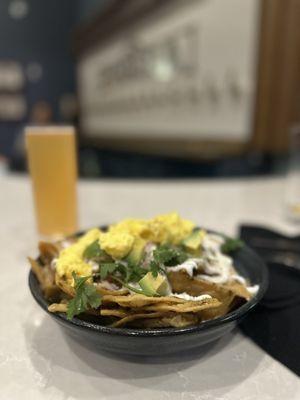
column 51, row 155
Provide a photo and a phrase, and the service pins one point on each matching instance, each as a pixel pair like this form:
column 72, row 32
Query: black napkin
column 275, row 324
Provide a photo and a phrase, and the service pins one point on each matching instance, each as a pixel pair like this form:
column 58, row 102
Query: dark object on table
column 149, row 342
column 275, row 324
column 110, row 163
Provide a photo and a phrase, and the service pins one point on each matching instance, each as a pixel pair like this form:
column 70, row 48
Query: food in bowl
column 138, row 273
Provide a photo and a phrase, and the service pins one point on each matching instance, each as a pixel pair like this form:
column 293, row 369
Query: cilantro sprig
column 107, row 269
column 169, row 256
column 166, row 256
column 86, row 296
column 95, row 253
column 232, row 245
column 131, row 272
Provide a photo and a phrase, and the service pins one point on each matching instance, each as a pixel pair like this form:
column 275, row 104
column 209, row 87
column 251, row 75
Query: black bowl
column 161, row 341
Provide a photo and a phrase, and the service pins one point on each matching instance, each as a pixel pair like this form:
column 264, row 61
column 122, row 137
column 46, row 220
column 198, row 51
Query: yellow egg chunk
column 136, row 227
column 159, row 233
column 71, row 260
column 171, row 228
column 117, row 244
column 185, row 229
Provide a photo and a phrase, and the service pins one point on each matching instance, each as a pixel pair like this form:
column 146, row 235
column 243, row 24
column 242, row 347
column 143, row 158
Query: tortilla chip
column 182, row 282
column 64, row 286
column 124, row 321
column 48, row 251
column 104, row 291
column 111, row 312
column 188, row 307
column 174, row 320
column 139, row 300
column 223, row 309
column 58, row 307
column 45, row 276
column 227, row 295
column 238, row 289
column 161, row 307
column 37, row 269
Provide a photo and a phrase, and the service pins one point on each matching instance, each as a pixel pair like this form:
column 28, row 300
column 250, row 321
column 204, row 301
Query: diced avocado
column 194, row 240
column 136, row 253
column 155, row 285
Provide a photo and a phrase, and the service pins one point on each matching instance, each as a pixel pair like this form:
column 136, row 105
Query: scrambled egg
column 121, row 238
column 70, row 259
column 136, row 227
column 117, row 244
column 170, row 228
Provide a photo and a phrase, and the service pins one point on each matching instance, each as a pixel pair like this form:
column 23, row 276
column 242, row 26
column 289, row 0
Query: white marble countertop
column 38, row 362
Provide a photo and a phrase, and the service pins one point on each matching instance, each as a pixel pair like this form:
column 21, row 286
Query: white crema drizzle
column 216, row 266
column 186, row 296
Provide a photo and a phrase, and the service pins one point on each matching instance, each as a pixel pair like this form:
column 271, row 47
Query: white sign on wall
column 189, row 71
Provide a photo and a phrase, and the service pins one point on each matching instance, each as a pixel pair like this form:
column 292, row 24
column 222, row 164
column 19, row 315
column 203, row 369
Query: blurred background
column 155, row 88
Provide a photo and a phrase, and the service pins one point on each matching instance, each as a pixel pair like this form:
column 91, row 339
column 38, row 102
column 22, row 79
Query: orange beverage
column 52, row 164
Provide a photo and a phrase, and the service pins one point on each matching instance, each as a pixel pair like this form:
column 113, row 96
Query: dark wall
column 43, row 36
column 86, row 8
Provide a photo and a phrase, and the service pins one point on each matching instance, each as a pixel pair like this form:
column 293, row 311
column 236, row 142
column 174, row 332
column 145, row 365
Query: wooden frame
column 116, row 16
column 278, row 78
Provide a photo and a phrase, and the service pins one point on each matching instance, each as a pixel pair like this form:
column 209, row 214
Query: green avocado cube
column 154, row 286
column 194, row 240
column 136, row 253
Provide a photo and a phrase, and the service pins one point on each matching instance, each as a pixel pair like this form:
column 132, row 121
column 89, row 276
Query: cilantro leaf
column 155, row 268
column 93, row 296
column 136, row 272
column 169, row 256
column 231, row 245
column 106, row 269
column 163, row 254
column 124, row 271
column 181, row 257
column 86, row 296
column 129, row 272
column 93, row 250
column 95, row 253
